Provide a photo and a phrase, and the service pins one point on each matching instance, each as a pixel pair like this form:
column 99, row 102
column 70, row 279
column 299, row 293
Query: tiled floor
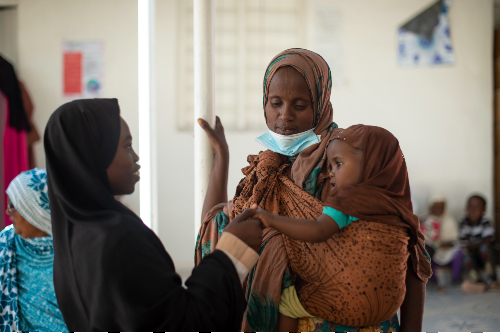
column 456, row 312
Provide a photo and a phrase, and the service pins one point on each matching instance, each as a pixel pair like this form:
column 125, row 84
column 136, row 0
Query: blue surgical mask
column 288, row 145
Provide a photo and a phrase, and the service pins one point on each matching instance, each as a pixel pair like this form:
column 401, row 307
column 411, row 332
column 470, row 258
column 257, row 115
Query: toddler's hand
column 265, row 217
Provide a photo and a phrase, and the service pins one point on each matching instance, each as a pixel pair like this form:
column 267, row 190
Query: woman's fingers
column 206, row 127
column 247, row 228
column 253, row 229
column 215, row 136
column 263, row 216
column 246, row 214
column 218, row 124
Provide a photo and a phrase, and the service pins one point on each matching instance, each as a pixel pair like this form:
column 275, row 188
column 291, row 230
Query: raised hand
column 216, row 137
column 217, row 186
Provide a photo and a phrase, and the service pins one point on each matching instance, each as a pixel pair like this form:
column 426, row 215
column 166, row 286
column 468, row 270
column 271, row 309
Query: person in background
column 441, row 237
column 477, row 235
column 32, row 134
column 27, row 300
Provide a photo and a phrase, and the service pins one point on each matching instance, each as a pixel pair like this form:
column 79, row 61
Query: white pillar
column 204, row 56
column 147, row 133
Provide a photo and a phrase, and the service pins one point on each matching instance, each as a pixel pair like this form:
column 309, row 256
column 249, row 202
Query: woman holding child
column 301, row 286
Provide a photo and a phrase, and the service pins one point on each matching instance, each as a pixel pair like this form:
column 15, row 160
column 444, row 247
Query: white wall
column 8, row 33
column 44, row 25
column 442, row 116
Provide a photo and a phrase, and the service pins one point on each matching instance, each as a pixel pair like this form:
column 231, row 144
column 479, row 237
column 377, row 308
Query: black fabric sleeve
column 139, row 291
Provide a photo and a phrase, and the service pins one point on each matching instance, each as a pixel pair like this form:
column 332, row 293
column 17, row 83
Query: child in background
column 477, row 235
column 441, row 236
column 370, row 228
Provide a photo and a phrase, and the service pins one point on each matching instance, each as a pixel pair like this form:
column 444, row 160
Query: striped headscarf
column 28, row 193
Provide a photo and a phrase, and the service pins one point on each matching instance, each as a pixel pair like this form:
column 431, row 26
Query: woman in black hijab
column 111, row 272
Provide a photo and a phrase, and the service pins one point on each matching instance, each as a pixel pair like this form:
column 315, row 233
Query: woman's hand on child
column 265, row 217
column 247, row 228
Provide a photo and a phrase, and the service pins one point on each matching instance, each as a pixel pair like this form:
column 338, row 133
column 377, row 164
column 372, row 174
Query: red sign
column 73, row 73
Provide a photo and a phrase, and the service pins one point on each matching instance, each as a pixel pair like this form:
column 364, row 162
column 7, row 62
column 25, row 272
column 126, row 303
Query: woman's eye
column 275, row 104
column 300, row 107
column 339, row 164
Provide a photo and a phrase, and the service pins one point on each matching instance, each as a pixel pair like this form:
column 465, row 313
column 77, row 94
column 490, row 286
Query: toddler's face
column 345, row 164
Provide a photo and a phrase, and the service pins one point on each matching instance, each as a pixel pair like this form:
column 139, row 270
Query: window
column 248, row 34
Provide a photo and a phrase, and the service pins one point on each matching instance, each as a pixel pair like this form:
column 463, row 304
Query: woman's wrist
column 222, row 156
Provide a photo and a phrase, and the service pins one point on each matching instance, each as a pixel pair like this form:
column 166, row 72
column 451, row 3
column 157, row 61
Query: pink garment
column 15, row 156
column 3, row 119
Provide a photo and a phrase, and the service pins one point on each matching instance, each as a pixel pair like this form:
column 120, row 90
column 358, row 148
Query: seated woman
column 292, row 179
column 441, row 237
column 111, row 272
column 27, row 299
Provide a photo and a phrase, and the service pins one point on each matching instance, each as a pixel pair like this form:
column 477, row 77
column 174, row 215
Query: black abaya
column 9, row 86
column 111, row 272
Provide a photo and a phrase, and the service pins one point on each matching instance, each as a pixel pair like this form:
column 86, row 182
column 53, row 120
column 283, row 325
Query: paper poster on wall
column 83, row 69
column 327, row 38
column 425, row 40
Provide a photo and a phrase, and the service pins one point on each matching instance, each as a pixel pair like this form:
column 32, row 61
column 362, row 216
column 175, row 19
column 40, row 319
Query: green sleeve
column 342, row 219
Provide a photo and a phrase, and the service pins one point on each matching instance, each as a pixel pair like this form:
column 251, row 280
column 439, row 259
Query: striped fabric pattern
column 29, row 195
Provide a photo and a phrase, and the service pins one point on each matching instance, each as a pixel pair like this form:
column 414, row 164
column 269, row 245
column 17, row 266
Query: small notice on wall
column 83, row 66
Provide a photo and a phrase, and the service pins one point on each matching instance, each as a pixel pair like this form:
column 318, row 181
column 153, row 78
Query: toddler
column 369, row 229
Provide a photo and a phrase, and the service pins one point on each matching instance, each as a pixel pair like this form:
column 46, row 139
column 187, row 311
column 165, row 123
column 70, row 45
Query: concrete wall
column 42, row 28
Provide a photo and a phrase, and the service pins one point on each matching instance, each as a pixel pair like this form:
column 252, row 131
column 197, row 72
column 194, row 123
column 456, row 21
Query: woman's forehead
column 289, row 79
column 124, row 130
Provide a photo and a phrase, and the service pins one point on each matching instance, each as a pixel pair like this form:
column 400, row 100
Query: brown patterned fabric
column 383, row 195
column 355, row 278
column 267, row 182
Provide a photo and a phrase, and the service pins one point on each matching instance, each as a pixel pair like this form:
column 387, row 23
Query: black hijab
column 9, row 86
column 111, row 272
